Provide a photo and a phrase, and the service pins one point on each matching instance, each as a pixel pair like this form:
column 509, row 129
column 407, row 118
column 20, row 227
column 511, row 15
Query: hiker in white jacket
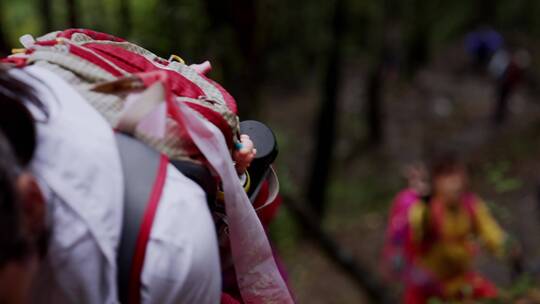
column 79, row 172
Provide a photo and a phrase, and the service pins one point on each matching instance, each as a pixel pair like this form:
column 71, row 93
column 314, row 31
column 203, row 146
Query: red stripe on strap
column 92, row 34
column 134, row 293
column 216, row 119
column 18, row 62
column 47, row 43
column 86, row 55
column 135, row 63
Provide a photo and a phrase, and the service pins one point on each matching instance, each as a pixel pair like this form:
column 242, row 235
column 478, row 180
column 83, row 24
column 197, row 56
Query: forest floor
column 445, row 106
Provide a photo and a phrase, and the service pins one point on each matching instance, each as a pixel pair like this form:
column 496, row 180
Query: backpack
column 399, row 252
column 173, row 114
column 107, row 70
column 395, row 260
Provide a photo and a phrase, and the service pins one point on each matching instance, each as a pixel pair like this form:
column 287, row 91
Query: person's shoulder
column 183, row 204
column 180, row 184
column 184, row 236
column 471, row 198
column 406, row 197
column 417, row 210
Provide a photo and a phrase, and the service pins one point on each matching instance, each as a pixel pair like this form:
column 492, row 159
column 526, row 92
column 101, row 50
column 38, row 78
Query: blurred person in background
column 481, row 44
column 508, row 70
column 444, row 232
column 396, row 262
column 488, row 52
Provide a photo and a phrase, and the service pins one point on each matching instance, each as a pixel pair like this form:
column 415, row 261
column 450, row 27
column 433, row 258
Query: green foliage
column 518, row 15
column 296, row 35
column 498, row 176
column 520, row 287
column 369, row 194
column 21, row 17
column 292, row 35
column 285, row 232
column 286, row 183
column 366, row 196
column 104, row 8
column 453, row 19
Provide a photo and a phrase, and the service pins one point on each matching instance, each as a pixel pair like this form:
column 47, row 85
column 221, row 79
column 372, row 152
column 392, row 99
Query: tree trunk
column 485, row 11
column 125, row 18
column 374, row 104
column 500, row 112
column 4, row 45
column 385, row 58
column 46, row 16
column 326, row 124
column 417, row 53
column 244, row 23
column 72, row 15
column 241, row 74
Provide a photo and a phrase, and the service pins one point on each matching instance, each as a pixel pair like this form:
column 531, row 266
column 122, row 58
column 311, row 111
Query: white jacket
column 79, row 170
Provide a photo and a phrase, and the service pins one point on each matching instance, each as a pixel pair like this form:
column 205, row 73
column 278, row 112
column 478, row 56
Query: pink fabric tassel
column 202, row 68
column 258, row 276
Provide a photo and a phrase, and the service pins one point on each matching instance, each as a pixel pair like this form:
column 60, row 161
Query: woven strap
column 144, row 176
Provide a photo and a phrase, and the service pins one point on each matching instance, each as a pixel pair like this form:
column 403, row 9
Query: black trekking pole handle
column 265, row 142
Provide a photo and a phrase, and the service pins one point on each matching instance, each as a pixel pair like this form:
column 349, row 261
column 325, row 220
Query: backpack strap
column 267, row 150
column 144, row 177
column 470, row 200
column 144, row 172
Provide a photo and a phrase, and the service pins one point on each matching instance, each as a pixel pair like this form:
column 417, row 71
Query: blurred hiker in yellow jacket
column 445, row 230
